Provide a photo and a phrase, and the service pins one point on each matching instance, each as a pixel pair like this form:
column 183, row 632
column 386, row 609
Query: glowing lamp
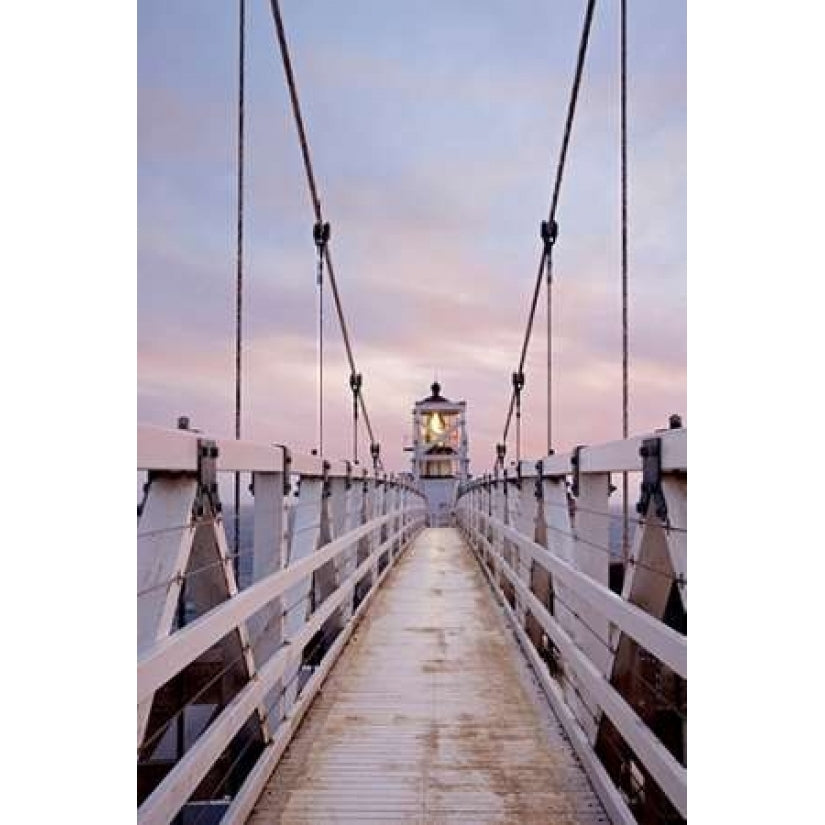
column 436, row 424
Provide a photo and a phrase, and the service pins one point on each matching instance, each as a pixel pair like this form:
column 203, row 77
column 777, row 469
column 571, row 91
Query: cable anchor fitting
column 549, row 233
column 501, row 452
column 651, row 488
column 518, row 386
column 540, row 481
column 207, row 495
column 320, row 234
column 326, row 486
column 576, row 463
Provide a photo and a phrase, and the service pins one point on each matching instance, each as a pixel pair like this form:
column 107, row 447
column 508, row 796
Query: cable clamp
column 320, row 234
column 287, row 462
column 325, row 484
column 575, row 463
column 501, row 451
column 651, row 453
column 207, row 476
column 549, row 233
column 540, row 480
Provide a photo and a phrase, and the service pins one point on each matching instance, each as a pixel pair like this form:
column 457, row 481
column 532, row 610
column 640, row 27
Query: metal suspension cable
column 316, row 201
column 239, row 263
column 320, row 233
column 625, row 564
column 551, row 221
column 623, row 129
column 679, row 579
column 668, row 528
column 320, row 357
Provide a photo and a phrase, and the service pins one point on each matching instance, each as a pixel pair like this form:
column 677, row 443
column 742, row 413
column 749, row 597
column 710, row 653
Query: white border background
column 756, row 235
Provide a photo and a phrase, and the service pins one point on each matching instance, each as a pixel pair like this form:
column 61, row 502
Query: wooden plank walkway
column 431, row 715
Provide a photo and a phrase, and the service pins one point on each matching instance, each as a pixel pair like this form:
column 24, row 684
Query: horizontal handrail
column 613, row 800
column 179, row 784
column 242, row 804
column 665, row 770
column 170, row 655
column 173, row 450
column 611, row 457
column 664, row 642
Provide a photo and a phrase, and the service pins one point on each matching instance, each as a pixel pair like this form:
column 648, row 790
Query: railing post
column 163, row 548
column 377, row 533
column 397, row 492
column 541, row 583
column 674, row 487
column 495, row 536
column 479, row 509
column 269, row 540
column 524, row 520
column 365, row 543
column 303, row 542
column 592, row 531
column 339, row 504
column 506, row 544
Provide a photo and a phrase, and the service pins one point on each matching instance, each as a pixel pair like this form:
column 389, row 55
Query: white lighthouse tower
column 440, row 460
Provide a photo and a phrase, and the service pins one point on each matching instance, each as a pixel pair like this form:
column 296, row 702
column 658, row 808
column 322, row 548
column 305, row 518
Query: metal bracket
column 540, row 481
column 651, row 453
column 325, row 485
column 348, row 476
column 575, row 462
column 549, row 232
column 320, row 234
column 287, row 462
column 207, row 476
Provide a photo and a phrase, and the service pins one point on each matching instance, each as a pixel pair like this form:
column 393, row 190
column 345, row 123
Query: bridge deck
column 431, row 715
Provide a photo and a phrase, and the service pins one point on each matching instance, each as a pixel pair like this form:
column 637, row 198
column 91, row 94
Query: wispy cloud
column 434, row 149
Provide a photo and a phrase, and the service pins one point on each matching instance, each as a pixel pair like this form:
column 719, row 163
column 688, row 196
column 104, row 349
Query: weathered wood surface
column 430, row 716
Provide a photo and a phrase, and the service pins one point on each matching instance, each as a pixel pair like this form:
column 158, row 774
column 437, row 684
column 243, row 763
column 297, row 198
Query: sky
column 435, row 128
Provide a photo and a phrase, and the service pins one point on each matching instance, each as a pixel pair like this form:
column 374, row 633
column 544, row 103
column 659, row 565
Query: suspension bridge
column 422, row 646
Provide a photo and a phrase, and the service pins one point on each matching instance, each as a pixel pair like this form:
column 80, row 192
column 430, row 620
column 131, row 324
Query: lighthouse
column 439, row 446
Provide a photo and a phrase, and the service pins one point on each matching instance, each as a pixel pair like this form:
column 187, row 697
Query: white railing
column 323, row 541
column 541, row 531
